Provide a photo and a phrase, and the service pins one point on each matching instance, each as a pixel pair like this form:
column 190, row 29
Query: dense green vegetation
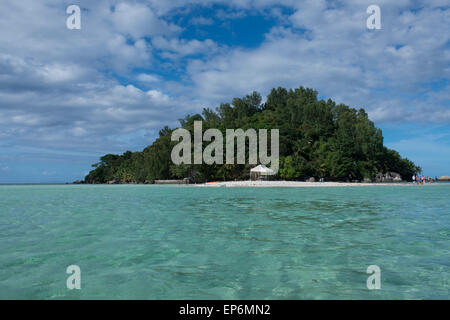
column 317, row 139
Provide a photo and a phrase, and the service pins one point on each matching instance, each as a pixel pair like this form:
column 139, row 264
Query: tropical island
column 318, row 140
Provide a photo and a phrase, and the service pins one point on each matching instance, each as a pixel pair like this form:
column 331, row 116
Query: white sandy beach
column 297, row 184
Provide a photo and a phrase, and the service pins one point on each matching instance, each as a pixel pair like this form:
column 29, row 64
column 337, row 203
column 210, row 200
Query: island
column 318, row 141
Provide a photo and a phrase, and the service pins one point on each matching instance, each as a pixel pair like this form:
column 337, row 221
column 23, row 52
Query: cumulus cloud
column 53, row 105
column 56, row 85
column 175, row 48
column 163, row 7
column 329, row 48
column 40, row 32
column 138, row 20
column 132, row 68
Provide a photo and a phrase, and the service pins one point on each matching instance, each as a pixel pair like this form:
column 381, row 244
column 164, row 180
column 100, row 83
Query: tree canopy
column 317, row 139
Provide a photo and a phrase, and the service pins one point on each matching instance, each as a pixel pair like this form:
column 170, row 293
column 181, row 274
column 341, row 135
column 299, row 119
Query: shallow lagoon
column 184, row 242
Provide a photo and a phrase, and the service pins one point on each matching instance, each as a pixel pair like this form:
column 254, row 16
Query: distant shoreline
column 300, row 184
column 242, row 184
column 37, row 184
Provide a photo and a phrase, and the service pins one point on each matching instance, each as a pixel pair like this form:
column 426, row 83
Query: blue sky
column 69, row 96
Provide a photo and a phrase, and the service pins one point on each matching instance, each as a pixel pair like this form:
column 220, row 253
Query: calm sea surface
column 169, row 242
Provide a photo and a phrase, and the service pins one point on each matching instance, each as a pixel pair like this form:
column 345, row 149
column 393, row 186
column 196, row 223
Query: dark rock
column 388, row 177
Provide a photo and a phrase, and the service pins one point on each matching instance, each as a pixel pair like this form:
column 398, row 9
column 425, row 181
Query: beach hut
column 260, row 172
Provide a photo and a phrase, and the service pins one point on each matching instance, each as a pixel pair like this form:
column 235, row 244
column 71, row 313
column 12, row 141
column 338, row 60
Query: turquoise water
column 169, row 242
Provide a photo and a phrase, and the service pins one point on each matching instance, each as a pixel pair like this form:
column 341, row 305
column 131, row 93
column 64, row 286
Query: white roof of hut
column 262, row 169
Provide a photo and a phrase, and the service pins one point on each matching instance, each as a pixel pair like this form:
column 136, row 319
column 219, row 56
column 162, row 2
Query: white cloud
column 138, row 20
column 177, row 48
column 163, row 7
column 50, row 105
column 149, row 78
column 71, row 89
column 339, row 57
